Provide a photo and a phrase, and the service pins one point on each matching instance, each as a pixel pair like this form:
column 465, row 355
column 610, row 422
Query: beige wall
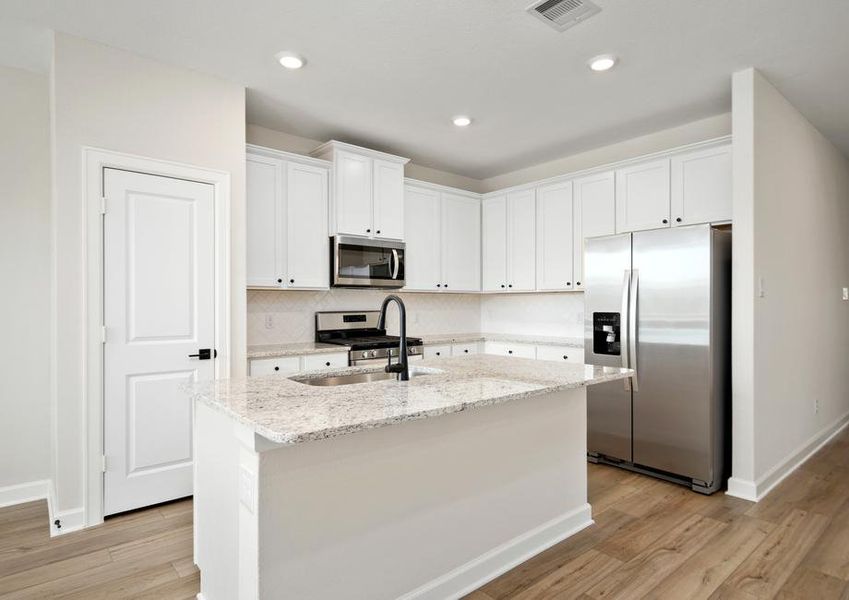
column 111, row 99
column 25, row 439
column 791, row 221
column 659, row 141
column 279, row 140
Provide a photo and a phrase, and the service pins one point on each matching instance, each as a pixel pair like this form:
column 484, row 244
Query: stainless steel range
column 358, row 329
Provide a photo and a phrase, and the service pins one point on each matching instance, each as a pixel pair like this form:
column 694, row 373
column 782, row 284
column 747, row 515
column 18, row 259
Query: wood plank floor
column 651, row 540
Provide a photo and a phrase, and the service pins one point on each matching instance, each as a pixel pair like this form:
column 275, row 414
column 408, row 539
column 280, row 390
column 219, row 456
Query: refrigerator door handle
column 632, row 326
column 625, row 321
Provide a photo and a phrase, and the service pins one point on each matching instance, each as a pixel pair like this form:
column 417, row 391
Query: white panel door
column 353, row 193
column 494, row 234
column 307, row 242
column 159, row 292
column 594, row 215
column 388, row 200
column 642, row 196
column 554, row 237
column 701, row 186
column 521, row 241
column 422, row 268
column 264, row 208
column 461, row 243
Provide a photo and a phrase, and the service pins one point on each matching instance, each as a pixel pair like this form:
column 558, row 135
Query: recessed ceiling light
column 462, row 121
column 290, row 60
column 603, row 62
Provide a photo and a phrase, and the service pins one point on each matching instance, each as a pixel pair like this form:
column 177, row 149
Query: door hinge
column 103, row 464
column 103, row 205
column 103, row 334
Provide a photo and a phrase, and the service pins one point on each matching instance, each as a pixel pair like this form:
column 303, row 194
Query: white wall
column 262, row 136
column 115, row 100
column 25, row 439
column 557, row 314
column 791, row 212
column 696, row 131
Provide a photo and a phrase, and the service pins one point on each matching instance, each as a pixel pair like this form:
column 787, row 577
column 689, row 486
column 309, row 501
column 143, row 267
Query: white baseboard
column 757, row 490
column 486, row 567
column 69, row 520
column 24, row 492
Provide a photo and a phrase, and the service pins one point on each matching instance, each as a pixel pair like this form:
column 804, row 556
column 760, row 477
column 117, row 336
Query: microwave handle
column 397, row 263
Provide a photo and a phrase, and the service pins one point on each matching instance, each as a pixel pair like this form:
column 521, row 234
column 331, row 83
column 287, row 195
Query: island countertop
column 289, row 412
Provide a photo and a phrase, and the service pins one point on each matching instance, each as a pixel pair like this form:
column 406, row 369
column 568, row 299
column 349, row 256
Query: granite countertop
column 288, row 412
column 294, row 349
column 539, row 340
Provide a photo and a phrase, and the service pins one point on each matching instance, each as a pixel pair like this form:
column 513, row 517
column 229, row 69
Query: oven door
column 360, row 262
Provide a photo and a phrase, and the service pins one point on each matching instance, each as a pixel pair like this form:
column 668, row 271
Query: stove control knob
column 365, row 354
column 373, row 353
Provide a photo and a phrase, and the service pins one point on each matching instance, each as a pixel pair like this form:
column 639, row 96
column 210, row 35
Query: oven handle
column 397, row 263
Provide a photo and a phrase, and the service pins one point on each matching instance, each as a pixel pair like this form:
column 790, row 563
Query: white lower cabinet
column 510, row 349
column 561, row 353
column 289, row 365
column 463, row 349
column 437, row 351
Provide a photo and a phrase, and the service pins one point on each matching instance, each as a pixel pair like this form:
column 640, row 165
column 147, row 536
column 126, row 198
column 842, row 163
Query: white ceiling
column 391, row 73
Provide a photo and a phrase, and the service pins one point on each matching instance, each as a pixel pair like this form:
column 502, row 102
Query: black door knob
column 204, row 354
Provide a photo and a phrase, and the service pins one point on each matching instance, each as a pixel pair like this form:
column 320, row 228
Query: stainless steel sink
column 351, row 378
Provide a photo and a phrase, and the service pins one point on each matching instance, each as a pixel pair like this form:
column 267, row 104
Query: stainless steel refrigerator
column 659, row 302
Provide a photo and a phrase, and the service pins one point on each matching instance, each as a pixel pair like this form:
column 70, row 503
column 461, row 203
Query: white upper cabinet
column 443, row 240
column 494, row 233
column 368, row 191
column 594, row 215
column 353, row 198
column 307, row 246
column 388, row 199
column 521, row 241
column 554, row 237
column 287, row 240
column 461, row 243
column 701, row 186
column 265, row 206
column 422, row 264
column 642, row 196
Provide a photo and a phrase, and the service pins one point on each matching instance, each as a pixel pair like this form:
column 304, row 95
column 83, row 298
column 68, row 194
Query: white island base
column 430, row 508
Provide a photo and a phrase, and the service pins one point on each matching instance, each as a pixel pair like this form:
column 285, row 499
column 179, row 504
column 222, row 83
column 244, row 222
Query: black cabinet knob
column 565, row 357
column 438, row 285
column 510, row 285
column 665, row 221
column 568, row 283
column 509, row 352
column 279, row 281
column 446, row 285
column 276, row 368
column 368, row 230
column 291, row 281
column 327, row 364
column 439, row 353
column 678, row 220
column 502, row 285
column 577, row 283
column 378, row 231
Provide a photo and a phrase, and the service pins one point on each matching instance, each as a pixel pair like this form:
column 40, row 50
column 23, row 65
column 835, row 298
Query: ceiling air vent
column 563, row 14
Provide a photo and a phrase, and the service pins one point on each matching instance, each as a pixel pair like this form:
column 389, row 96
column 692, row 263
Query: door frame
column 94, row 161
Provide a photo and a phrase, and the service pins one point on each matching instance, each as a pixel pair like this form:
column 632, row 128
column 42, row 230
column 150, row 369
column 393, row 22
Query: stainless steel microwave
column 361, row 262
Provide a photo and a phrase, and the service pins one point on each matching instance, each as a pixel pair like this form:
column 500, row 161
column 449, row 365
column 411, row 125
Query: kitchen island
column 386, row 489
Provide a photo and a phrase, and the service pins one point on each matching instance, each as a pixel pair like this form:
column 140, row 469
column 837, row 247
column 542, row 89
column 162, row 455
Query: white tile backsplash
column 290, row 314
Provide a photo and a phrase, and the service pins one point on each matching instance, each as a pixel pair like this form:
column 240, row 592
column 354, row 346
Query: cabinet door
column 274, row 366
column 642, row 196
column 422, row 257
column 461, row 243
column 521, row 241
column 463, row 349
column 353, row 198
column 315, row 362
column 494, row 234
column 594, row 215
column 554, row 237
column 510, row 349
column 307, row 245
column 701, row 186
column 560, row 353
column 388, row 200
column 437, row 351
column 264, row 208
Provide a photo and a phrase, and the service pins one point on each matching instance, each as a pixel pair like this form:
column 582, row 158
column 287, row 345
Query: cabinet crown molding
column 334, row 145
column 288, row 156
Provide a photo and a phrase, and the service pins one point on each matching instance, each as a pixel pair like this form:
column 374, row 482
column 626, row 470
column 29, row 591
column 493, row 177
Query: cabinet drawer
column 437, row 351
column 313, row 362
column 561, row 353
column 510, row 349
column 283, row 366
column 463, row 349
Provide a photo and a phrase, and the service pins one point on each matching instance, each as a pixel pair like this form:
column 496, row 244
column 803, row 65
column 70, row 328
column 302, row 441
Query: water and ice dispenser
column 606, row 333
